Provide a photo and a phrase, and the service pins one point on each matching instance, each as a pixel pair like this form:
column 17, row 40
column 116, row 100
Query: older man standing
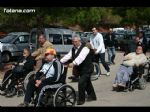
column 97, row 44
column 81, row 58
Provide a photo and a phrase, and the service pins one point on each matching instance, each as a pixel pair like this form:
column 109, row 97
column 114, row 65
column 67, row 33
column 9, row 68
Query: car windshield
column 7, row 39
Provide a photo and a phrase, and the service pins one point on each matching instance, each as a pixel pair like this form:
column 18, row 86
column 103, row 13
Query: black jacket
column 110, row 42
column 28, row 65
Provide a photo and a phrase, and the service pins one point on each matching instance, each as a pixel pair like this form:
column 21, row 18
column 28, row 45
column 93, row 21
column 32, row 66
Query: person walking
column 81, row 58
column 110, row 45
column 97, row 44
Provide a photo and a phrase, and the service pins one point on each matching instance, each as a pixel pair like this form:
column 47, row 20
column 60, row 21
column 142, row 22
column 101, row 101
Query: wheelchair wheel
column 65, row 96
column 28, row 77
column 142, row 83
column 96, row 73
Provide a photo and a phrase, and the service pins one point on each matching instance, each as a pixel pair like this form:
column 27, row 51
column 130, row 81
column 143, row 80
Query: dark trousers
column 31, row 88
column 85, row 85
column 101, row 56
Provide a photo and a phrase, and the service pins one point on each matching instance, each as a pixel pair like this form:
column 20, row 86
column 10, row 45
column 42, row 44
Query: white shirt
column 51, row 71
column 98, row 43
column 79, row 59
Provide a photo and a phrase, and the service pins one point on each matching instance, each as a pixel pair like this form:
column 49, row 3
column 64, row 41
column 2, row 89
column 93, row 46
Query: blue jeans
column 111, row 54
column 122, row 75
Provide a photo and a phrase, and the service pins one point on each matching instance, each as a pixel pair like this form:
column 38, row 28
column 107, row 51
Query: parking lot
column 103, row 89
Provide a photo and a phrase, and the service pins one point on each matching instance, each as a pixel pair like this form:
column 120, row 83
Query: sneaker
column 108, row 74
column 114, row 85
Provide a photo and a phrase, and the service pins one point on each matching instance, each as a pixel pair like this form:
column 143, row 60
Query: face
column 137, row 39
column 41, row 40
column 49, row 57
column 139, row 50
column 140, row 35
column 76, row 42
column 94, row 30
column 26, row 53
column 110, row 30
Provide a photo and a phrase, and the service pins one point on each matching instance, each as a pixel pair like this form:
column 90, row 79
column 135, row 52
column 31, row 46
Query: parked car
column 61, row 38
column 12, row 45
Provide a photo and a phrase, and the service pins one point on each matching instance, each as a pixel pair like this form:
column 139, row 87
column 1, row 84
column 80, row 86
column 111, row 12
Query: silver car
column 12, row 45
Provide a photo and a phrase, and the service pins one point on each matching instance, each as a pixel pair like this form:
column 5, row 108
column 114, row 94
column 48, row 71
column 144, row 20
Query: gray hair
column 76, row 37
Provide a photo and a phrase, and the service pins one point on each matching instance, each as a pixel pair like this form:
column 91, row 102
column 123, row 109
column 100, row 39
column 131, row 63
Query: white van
column 61, row 38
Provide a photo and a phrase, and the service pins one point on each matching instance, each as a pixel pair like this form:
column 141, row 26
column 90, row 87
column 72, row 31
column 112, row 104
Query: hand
column 21, row 64
column 71, row 65
column 38, row 82
column 13, row 66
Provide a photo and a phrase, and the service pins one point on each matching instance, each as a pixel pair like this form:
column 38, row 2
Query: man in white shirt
column 97, row 44
column 81, row 58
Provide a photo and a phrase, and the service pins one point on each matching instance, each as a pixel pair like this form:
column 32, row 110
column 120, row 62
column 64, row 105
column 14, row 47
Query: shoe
column 113, row 62
column 91, row 99
column 114, row 85
column 108, row 74
column 23, row 104
column 80, row 102
column 3, row 93
column 122, row 85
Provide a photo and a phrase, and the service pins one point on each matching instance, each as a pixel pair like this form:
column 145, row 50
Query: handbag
column 18, row 69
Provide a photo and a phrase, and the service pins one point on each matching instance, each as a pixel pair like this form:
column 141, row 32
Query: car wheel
column 6, row 57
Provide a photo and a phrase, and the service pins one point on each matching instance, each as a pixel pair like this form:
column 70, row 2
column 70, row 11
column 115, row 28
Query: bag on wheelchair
column 18, row 69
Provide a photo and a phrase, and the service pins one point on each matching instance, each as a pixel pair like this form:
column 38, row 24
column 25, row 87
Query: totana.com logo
column 10, row 10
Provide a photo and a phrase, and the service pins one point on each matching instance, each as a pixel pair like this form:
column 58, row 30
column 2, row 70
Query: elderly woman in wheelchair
column 131, row 63
column 15, row 76
column 49, row 74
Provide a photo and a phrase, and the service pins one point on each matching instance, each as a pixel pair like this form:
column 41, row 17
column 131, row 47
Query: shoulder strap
column 48, row 68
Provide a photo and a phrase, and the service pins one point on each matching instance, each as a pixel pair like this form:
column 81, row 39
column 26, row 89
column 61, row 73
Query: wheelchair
column 17, row 88
column 55, row 95
column 136, row 80
column 147, row 70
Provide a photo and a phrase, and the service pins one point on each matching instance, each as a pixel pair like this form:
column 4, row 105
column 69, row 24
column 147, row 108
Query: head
column 94, row 30
column 137, row 39
column 26, row 52
column 50, row 54
column 139, row 49
column 76, row 41
column 110, row 30
column 41, row 39
column 141, row 34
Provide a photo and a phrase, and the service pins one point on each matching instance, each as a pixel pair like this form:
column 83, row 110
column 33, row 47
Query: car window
column 23, row 39
column 33, row 37
column 67, row 39
column 8, row 38
column 55, row 38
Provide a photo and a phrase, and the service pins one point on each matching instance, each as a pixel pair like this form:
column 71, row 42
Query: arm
column 85, row 51
column 100, row 40
column 29, row 65
column 67, row 57
column 141, row 61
